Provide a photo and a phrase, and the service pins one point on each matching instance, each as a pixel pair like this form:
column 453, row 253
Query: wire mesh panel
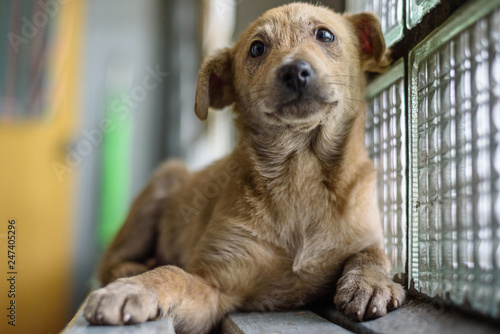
column 455, row 183
column 390, row 13
column 386, row 143
column 416, row 10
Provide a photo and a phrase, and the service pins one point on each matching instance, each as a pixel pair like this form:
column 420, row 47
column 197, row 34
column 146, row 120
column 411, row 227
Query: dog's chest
column 303, row 221
column 305, row 218
column 299, row 185
column 299, row 200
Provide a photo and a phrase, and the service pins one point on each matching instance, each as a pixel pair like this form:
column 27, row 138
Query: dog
column 290, row 214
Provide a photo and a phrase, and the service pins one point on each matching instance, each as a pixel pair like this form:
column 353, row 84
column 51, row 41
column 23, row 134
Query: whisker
column 342, row 84
column 258, row 90
column 353, row 109
column 355, row 99
column 344, row 75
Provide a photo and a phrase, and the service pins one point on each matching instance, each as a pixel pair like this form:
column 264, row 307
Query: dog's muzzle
column 296, row 76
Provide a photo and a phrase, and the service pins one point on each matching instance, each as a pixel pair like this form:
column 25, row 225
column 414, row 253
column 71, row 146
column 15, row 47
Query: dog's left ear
column 374, row 56
column 215, row 84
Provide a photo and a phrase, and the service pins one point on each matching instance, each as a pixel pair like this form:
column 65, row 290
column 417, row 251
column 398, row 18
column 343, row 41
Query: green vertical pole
column 116, row 158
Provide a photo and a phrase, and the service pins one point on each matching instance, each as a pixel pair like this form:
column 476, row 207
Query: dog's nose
column 296, row 75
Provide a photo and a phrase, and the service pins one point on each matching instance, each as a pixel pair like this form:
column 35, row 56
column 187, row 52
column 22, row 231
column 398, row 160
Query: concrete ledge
column 293, row 322
column 416, row 317
column 78, row 325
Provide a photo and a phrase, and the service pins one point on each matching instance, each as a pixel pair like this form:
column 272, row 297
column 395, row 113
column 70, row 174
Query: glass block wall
column 455, row 160
column 416, row 10
column 386, row 143
column 390, row 13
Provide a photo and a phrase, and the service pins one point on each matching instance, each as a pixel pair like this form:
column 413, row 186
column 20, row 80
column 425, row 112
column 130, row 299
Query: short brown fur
column 290, row 211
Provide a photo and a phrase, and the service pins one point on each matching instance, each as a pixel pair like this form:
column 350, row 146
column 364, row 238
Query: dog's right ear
column 215, row 84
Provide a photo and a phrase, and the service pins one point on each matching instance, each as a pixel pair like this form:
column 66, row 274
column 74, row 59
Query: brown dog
column 274, row 224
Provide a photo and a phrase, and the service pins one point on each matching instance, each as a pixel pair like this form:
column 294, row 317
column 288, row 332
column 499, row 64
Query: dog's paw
column 367, row 294
column 121, row 303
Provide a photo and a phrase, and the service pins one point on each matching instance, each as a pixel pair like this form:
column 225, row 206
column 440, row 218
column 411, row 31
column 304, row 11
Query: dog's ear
column 215, row 84
column 374, row 56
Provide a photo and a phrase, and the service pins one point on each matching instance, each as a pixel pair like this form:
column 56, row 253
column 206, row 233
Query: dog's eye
column 257, row 49
column 324, row 35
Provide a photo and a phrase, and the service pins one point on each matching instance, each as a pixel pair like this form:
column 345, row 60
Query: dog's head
column 297, row 65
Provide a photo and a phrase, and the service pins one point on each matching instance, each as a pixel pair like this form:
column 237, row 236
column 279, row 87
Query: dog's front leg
column 365, row 290
column 188, row 300
column 134, row 244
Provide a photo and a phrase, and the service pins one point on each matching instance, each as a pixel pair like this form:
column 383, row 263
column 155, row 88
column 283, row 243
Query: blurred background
column 93, row 95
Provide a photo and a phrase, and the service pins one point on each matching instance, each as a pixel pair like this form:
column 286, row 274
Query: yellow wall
column 40, row 202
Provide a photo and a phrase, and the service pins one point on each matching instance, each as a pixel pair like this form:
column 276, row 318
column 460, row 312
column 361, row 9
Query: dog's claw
column 395, row 303
column 126, row 317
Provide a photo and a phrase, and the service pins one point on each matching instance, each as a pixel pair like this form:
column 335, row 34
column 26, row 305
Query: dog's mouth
column 301, row 110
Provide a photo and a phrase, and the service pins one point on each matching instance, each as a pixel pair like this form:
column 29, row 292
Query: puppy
column 289, row 213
